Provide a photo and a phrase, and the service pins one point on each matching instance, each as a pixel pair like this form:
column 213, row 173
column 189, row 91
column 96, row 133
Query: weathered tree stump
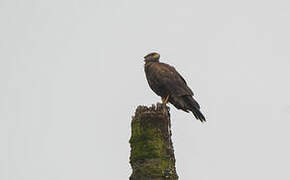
column 152, row 154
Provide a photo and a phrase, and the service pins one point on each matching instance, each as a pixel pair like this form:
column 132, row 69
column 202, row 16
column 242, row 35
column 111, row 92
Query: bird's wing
column 171, row 79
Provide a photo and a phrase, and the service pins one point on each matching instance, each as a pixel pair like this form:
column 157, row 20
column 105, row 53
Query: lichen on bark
column 152, row 155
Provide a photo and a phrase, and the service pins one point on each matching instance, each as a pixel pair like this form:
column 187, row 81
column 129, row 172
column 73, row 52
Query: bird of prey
column 166, row 82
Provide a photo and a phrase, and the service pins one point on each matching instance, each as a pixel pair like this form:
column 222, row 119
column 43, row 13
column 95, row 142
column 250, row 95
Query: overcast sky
column 71, row 76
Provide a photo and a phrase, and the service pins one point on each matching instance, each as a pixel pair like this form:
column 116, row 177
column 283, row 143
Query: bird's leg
column 165, row 100
column 164, row 107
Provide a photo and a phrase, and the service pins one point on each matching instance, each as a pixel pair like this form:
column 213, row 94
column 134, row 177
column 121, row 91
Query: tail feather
column 198, row 115
column 187, row 103
column 194, row 108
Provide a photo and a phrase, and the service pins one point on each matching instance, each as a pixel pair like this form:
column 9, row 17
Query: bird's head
column 152, row 57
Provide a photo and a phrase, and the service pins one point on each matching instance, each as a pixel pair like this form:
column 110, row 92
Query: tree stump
column 152, row 154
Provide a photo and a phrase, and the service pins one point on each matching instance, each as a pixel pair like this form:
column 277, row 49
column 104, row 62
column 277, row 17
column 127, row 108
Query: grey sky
column 71, row 76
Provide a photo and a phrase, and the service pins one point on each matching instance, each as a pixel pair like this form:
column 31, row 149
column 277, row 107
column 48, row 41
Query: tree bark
column 152, row 154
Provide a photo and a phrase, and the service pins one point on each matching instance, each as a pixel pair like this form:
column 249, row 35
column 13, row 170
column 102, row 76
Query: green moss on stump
column 152, row 155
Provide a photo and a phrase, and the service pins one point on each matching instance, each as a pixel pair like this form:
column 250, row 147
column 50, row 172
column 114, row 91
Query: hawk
column 166, row 82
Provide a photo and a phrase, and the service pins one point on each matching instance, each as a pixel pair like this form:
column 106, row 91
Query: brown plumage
column 166, row 82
